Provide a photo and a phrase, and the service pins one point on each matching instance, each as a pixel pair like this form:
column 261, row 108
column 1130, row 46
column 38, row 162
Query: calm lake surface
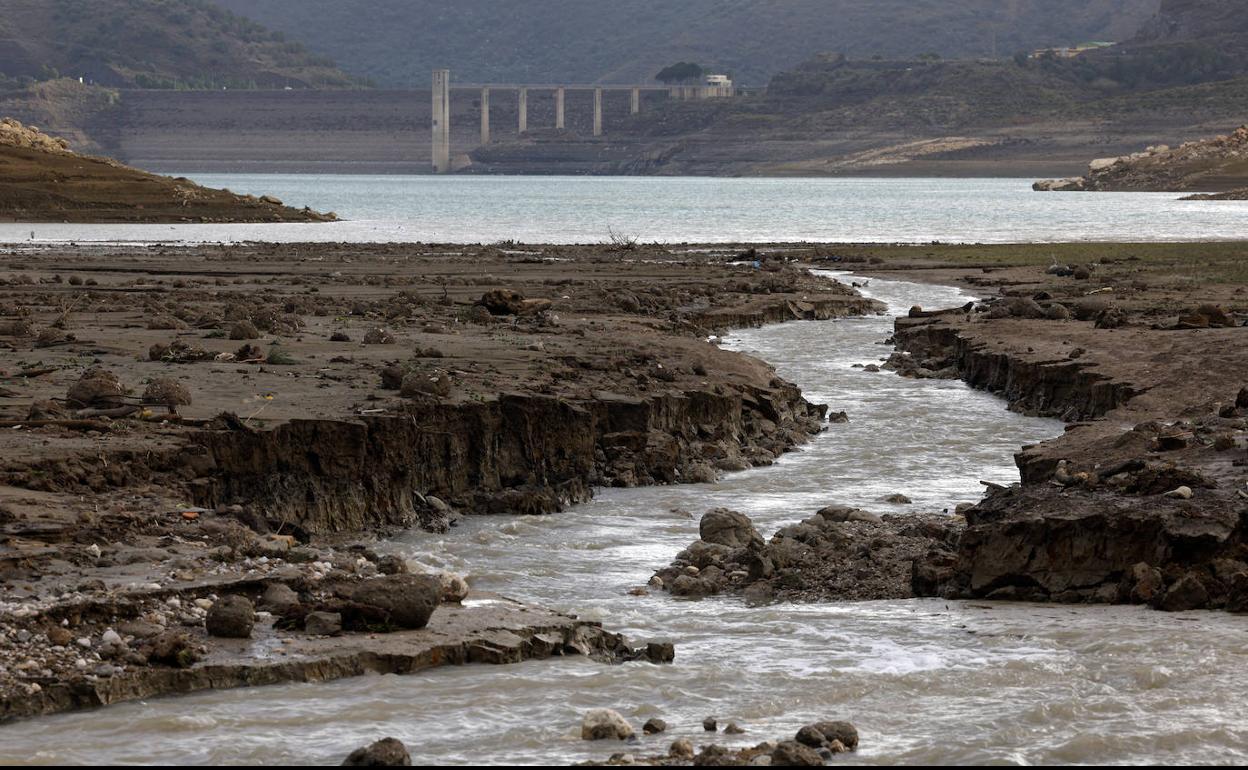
column 481, row 209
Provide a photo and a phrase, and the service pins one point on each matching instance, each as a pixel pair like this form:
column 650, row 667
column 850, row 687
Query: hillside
column 1219, row 164
column 152, row 44
column 42, row 180
column 398, row 42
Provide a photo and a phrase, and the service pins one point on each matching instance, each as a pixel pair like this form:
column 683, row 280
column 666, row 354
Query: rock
column 734, row 729
column 402, row 601
column 897, row 499
column 1057, row 312
column 1082, row 273
column 387, row 752
column 279, row 597
column 840, row 513
column 1180, row 493
column 392, row 565
column 167, row 392
column 174, row 648
column 323, row 623
column 60, row 637
column 660, row 652
column 605, row 725
column 454, row 588
column 844, row 732
column 231, row 617
column 1241, row 400
column 710, row 725
column 1187, row 593
column 681, row 748
column 724, row 527
column 794, row 754
column 426, row 383
column 505, row 302
column 1147, row 583
column 654, row 726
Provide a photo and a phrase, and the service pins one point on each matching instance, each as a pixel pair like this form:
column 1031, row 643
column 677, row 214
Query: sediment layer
column 218, row 416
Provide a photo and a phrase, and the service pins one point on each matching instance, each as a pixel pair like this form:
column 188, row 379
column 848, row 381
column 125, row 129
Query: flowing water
column 678, row 210
column 925, row 681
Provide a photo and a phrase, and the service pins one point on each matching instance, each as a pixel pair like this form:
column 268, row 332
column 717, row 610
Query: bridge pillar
column 523, row 109
column 559, row 107
column 634, row 104
column 441, row 121
column 597, row 112
column 485, row 116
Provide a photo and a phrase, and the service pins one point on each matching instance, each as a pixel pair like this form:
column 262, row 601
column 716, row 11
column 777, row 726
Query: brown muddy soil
column 183, row 425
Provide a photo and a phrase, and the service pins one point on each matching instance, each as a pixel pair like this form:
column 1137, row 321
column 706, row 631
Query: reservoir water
column 478, row 209
column 925, row 681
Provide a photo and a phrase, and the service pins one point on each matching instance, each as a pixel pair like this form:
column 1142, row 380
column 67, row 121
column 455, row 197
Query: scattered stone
column 734, row 729
column 794, row 754
column 323, row 623
column 605, row 725
column 654, row 726
column 279, row 597
column 681, row 748
column 710, row 725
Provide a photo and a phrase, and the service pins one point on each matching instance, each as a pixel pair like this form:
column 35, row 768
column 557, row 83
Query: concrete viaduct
column 442, row 107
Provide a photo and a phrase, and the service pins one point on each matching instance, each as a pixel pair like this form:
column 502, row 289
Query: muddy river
column 925, row 681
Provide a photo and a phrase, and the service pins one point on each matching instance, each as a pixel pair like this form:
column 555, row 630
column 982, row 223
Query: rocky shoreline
column 194, row 429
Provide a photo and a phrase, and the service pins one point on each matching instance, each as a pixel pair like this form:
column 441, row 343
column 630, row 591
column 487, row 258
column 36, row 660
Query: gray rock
column 605, row 725
column 279, row 597
column 231, row 617
column 654, row 726
column 724, row 527
column 323, row 623
column 402, row 601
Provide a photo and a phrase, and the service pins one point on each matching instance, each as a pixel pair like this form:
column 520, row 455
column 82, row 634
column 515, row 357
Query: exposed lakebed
column 925, row 680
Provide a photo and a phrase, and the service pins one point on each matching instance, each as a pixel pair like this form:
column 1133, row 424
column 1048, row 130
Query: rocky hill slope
column 399, row 41
column 1217, row 165
column 42, row 180
column 153, row 44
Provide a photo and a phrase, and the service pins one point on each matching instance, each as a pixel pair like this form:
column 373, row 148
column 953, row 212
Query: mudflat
column 202, row 445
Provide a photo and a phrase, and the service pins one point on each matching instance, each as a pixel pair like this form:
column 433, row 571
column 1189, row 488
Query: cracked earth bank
column 187, row 425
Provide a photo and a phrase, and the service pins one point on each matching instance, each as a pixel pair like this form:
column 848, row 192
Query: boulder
column 387, row 752
column 393, row 601
column 231, row 617
column 605, row 725
column 654, row 726
column 794, row 754
column 730, row 528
